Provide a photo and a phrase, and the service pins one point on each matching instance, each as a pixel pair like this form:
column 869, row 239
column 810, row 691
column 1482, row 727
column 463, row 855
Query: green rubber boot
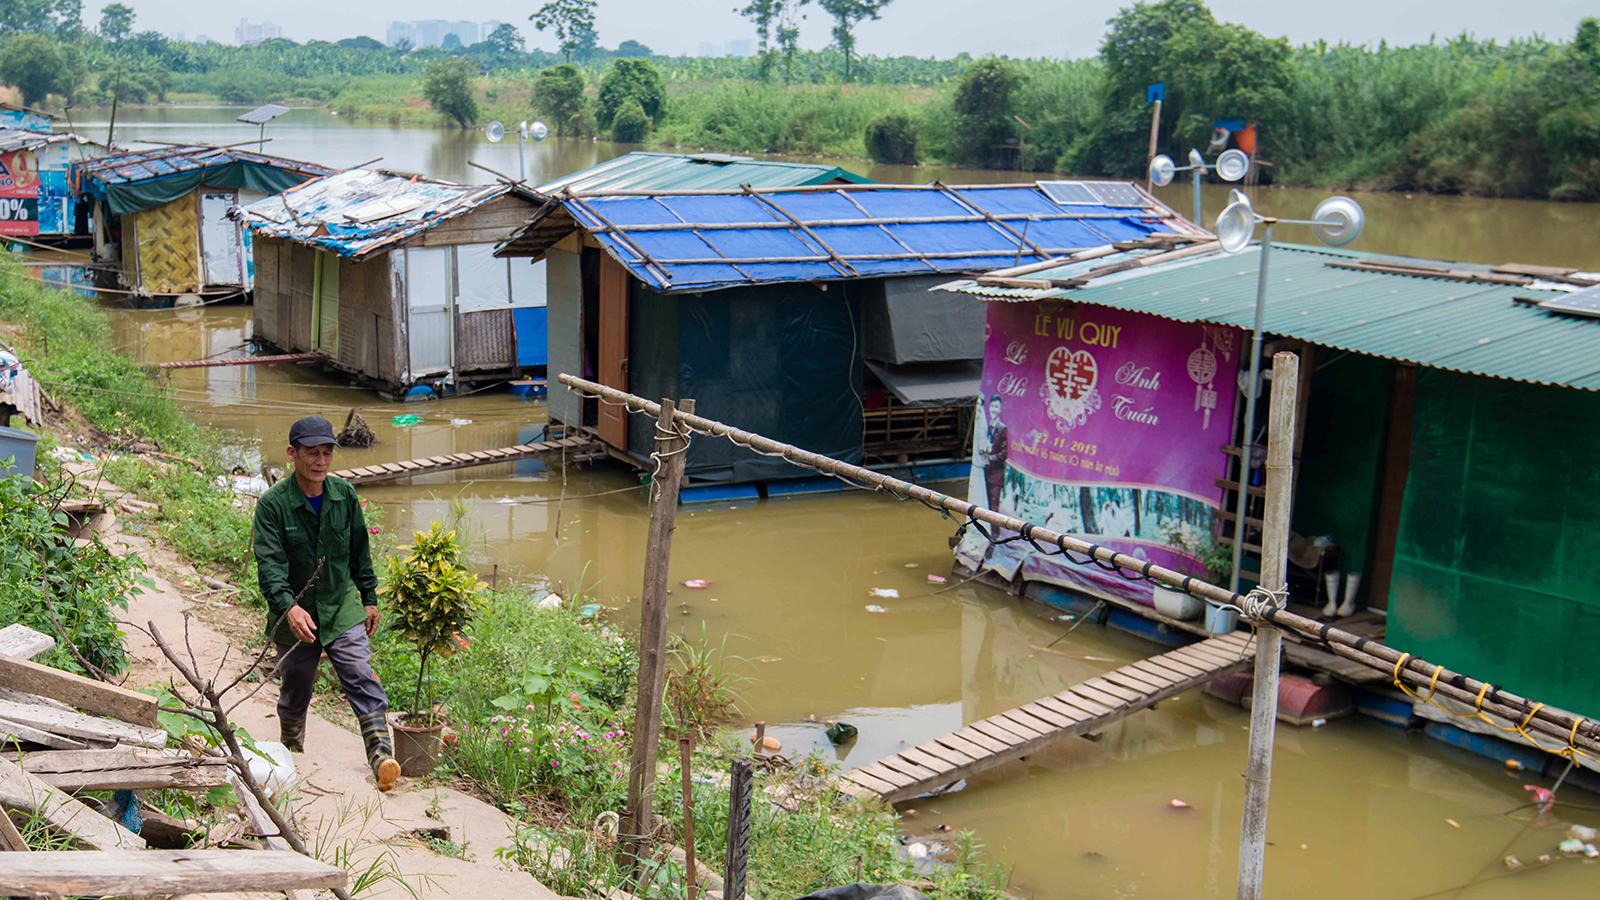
column 292, row 734
column 380, row 749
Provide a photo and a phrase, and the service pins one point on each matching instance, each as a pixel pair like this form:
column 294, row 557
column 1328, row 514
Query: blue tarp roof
column 701, row 240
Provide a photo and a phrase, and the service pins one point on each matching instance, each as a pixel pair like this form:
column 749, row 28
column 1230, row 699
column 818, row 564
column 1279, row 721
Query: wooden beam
column 261, row 824
column 87, row 828
column 21, row 642
column 148, row 873
column 71, row 724
column 16, row 731
column 1392, row 486
column 122, row 768
column 86, row 694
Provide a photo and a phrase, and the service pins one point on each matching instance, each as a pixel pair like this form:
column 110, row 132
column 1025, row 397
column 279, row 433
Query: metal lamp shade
column 494, row 131
column 1196, row 161
column 1235, row 225
column 1162, row 168
column 538, row 131
column 1232, row 165
column 1339, row 220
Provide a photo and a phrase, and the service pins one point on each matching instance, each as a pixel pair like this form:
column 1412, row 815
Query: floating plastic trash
column 874, row 608
column 884, row 593
column 840, row 732
column 405, row 419
column 913, row 565
column 697, row 583
column 589, row 610
column 460, row 422
column 937, row 579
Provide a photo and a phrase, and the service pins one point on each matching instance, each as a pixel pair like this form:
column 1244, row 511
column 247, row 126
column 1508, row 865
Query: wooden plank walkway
column 407, row 468
column 243, row 361
column 1016, row 733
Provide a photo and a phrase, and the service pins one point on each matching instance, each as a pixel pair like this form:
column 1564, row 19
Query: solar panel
column 1068, row 193
column 1115, row 193
column 264, row 114
column 1581, row 303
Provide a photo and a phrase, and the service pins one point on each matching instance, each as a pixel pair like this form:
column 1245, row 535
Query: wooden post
column 736, row 864
column 1155, row 131
column 686, row 752
column 1274, row 569
column 671, row 448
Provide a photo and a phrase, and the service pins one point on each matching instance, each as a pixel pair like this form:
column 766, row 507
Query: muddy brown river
column 1359, row 808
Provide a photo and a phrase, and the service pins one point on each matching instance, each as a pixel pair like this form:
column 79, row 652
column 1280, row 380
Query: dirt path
column 338, row 804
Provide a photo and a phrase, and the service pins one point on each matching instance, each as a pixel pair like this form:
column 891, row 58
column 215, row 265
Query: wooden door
column 613, row 362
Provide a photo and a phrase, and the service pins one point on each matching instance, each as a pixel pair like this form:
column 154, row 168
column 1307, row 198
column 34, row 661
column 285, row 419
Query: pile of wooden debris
column 65, row 736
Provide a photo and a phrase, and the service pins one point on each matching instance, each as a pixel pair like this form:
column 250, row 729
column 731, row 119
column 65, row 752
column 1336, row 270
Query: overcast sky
column 942, row 28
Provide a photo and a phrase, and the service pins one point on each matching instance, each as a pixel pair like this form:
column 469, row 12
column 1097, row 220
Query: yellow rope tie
column 1401, row 664
column 1531, row 712
column 1482, row 692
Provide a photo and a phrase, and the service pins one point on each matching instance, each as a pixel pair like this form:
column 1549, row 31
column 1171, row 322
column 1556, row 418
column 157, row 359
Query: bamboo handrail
column 1580, row 731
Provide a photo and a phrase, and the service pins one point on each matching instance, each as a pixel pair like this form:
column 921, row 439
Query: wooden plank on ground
column 940, row 751
column 878, row 786
column 149, row 873
column 16, row 731
column 18, row 641
column 77, row 725
column 1115, row 690
column 261, row 825
column 927, row 760
column 87, row 828
column 1098, row 696
column 1048, row 715
column 1000, row 732
column 982, row 740
column 1084, row 702
column 961, row 745
column 883, row 773
column 86, row 694
column 123, row 768
column 907, row 768
column 1063, row 709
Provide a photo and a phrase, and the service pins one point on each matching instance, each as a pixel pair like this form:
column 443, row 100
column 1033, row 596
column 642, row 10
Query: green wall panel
column 1497, row 536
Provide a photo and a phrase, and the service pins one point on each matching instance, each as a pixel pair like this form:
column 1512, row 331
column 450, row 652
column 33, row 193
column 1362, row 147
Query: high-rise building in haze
column 246, row 34
column 432, row 32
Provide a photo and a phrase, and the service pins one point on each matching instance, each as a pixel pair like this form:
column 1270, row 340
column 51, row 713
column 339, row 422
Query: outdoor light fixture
column 1231, row 166
column 536, row 131
column 1336, row 222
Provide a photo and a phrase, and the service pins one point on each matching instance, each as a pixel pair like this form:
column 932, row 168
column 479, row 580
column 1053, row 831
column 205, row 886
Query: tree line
column 1520, row 118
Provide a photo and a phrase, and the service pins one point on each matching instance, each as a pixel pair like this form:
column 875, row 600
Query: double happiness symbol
column 1069, row 387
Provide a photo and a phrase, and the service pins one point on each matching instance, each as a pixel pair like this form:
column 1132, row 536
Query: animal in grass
column 314, row 565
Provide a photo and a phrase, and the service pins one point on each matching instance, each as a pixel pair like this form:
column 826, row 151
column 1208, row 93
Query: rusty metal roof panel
column 360, row 211
column 1478, row 328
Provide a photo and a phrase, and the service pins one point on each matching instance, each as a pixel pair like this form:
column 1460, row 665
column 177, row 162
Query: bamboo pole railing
column 1578, row 732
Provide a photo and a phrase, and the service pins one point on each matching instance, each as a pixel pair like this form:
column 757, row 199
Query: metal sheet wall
column 485, row 340
column 565, row 293
column 1497, row 550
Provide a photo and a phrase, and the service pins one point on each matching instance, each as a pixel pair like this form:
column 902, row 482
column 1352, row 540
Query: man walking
column 310, row 527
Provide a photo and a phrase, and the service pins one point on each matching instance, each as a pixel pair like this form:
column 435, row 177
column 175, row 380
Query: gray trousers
column 352, row 662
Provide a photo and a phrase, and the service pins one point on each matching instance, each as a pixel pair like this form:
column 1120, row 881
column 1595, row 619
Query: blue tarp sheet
column 921, row 226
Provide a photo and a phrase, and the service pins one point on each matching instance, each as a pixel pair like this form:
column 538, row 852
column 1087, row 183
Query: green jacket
column 290, row 538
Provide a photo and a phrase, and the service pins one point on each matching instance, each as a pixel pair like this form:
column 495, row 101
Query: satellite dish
column 494, row 131
column 538, row 131
column 1196, row 161
column 1339, row 221
column 1236, row 224
column 1232, row 165
column 1162, row 169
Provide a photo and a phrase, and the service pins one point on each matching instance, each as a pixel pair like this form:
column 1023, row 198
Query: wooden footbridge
column 1076, row 711
column 574, row 445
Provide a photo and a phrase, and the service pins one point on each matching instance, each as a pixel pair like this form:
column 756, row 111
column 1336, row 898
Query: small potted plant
column 431, row 598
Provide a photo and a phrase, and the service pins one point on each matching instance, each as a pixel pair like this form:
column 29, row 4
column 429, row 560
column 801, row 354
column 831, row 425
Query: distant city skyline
column 1021, row 28
column 432, row 32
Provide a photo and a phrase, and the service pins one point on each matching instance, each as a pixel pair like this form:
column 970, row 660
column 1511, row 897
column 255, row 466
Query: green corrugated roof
column 1462, row 326
column 641, row 170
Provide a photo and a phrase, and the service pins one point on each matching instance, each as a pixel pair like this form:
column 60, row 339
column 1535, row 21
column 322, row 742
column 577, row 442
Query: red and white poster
column 19, row 192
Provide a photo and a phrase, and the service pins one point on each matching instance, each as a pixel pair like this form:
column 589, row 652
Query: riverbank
column 532, row 770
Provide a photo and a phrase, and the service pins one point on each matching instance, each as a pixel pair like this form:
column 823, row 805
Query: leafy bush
column 631, row 125
column 447, row 85
column 431, row 598
column 892, row 139
column 558, row 96
column 41, row 571
column 630, row 79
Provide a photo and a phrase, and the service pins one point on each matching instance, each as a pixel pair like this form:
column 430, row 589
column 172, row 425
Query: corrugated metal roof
column 642, row 170
column 161, row 162
column 25, row 139
column 357, row 212
column 1472, row 327
column 702, row 240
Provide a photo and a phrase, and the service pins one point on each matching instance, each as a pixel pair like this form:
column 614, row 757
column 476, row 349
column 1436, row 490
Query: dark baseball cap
column 312, row 431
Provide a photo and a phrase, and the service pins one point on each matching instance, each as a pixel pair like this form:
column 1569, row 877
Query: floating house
column 35, row 200
column 1431, row 398
column 162, row 213
column 648, row 170
column 395, row 278
column 802, row 313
